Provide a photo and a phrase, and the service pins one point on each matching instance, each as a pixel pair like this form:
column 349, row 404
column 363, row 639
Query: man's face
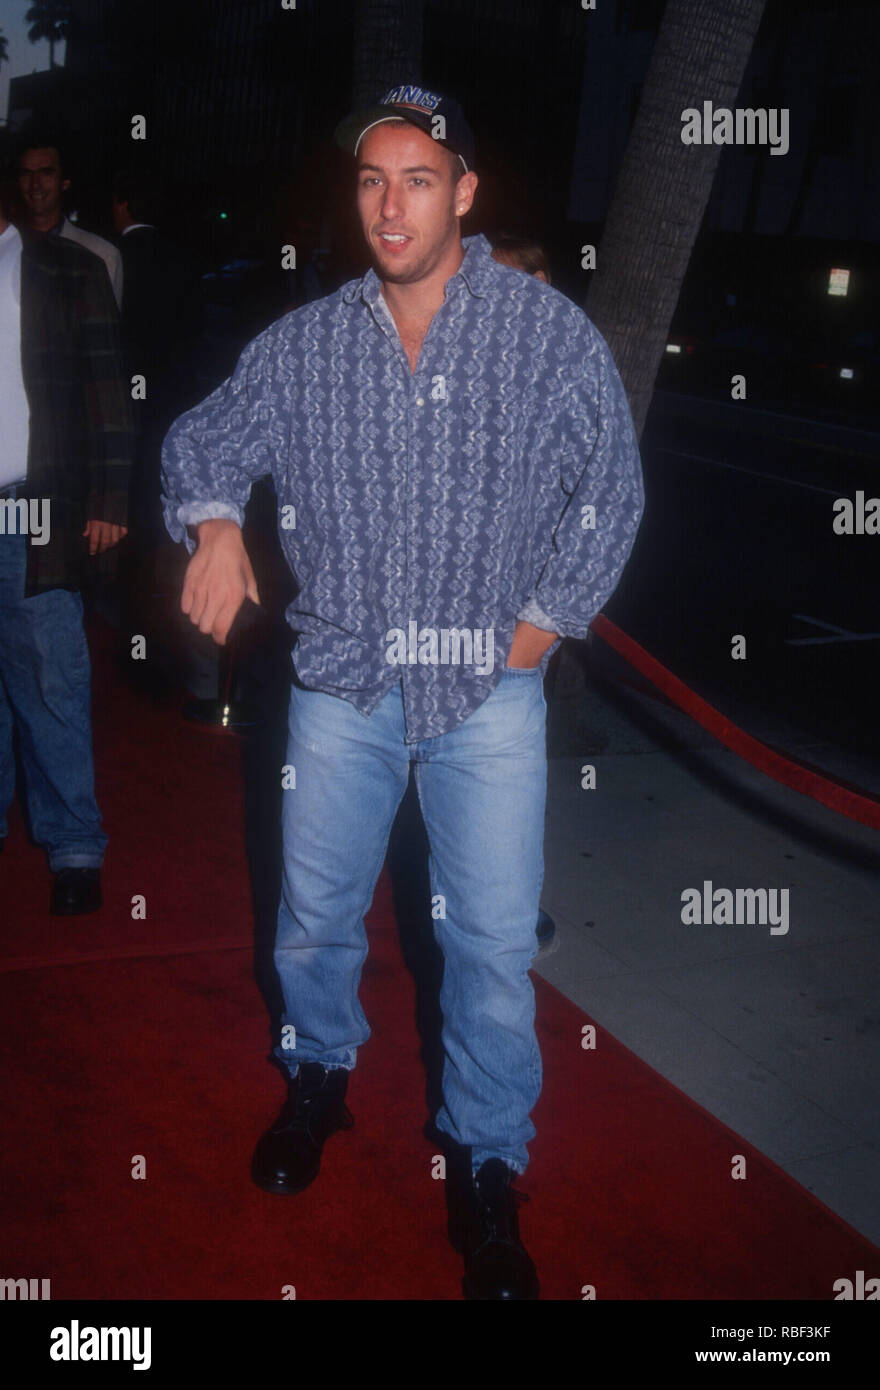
column 41, row 183
column 409, row 200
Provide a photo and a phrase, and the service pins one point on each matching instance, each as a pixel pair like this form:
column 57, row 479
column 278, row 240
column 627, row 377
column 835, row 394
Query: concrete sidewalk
column 776, row 1035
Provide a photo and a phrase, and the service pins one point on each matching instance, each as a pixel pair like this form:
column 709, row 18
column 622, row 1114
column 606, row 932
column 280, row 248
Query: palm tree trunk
column 387, row 47
column 663, row 186
column 773, row 85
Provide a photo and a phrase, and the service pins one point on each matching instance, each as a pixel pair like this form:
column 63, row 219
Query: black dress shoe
column 288, row 1156
column 483, row 1226
column 75, row 891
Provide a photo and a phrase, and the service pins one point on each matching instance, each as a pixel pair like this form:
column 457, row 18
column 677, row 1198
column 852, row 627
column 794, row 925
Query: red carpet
column 123, row 1037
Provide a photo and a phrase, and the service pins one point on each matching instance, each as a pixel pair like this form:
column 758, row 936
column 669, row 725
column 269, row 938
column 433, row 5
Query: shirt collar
column 10, row 236
column 475, row 272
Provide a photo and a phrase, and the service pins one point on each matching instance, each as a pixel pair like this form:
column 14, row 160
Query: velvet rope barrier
column 848, row 801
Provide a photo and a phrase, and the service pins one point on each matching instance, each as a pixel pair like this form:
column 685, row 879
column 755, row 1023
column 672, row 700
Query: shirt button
column 420, row 400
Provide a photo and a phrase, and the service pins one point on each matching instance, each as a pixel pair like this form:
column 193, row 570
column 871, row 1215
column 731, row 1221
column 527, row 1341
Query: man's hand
column 103, row 535
column 529, row 645
column 218, row 579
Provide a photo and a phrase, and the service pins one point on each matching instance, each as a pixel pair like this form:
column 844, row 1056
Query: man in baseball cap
column 455, row 444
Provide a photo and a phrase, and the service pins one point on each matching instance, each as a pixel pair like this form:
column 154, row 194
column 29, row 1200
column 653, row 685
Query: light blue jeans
column 482, row 788
column 45, row 690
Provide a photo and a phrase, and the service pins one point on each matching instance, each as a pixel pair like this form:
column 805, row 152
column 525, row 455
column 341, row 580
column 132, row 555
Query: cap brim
column 348, row 133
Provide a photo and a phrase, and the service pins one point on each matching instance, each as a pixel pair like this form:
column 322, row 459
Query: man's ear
column 464, row 192
column 65, row 184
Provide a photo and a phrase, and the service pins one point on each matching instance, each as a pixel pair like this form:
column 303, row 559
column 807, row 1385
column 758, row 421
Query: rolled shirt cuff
column 191, row 513
column 531, row 612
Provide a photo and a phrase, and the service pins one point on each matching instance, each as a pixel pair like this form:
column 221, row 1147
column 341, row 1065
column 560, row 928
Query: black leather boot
column 75, row 891
column 288, row 1156
column 484, row 1228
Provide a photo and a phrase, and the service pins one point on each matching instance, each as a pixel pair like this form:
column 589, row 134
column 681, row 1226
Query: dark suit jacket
column 161, row 323
column 161, row 314
column 81, row 445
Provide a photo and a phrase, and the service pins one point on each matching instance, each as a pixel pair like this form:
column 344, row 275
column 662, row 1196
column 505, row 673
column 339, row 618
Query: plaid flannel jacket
column 82, row 440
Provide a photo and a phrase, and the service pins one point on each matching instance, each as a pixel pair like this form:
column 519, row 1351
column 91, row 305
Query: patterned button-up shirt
column 422, row 513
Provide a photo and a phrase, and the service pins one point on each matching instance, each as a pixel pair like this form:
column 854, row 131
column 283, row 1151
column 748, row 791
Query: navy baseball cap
column 421, row 108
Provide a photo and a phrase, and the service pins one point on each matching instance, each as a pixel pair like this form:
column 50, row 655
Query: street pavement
column 774, row 1033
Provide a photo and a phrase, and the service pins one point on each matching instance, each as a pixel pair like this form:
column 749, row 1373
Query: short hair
column 523, row 253
column 37, row 138
column 139, row 189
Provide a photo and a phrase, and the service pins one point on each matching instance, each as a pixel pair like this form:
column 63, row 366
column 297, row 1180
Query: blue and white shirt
column 423, row 514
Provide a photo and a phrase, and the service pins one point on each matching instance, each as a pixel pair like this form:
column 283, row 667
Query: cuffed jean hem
column 75, row 859
column 292, row 1066
column 482, row 1156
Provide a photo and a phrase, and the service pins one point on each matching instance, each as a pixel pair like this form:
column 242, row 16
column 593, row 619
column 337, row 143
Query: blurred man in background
column 43, row 182
column 64, row 473
column 522, row 253
column 161, row 327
